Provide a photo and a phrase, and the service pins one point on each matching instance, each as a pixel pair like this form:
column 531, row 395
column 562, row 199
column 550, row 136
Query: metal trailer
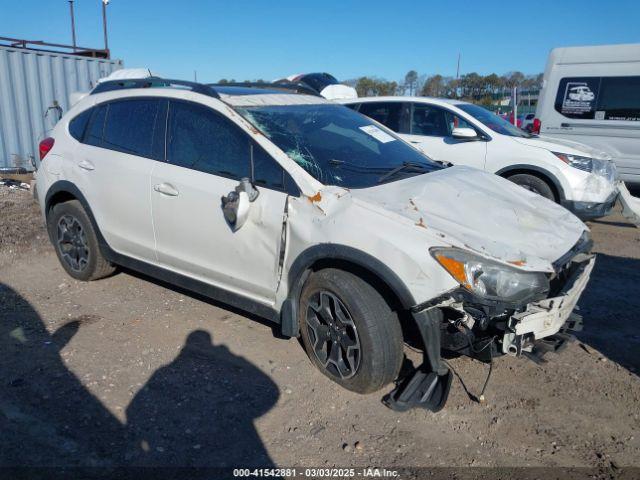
column 34, row 93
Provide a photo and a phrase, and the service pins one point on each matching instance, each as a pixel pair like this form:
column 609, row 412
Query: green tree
column 434, row 86
column 373, row 87
column 513, row 79
column 410, row 80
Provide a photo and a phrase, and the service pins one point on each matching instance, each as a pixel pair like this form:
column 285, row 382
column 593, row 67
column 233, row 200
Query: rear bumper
column 546, row 317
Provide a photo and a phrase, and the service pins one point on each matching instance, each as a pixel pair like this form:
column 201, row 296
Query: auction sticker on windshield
column 375, row 132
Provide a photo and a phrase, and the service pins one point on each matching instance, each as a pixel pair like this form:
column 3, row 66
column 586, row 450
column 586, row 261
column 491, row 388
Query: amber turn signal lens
column 454, row 267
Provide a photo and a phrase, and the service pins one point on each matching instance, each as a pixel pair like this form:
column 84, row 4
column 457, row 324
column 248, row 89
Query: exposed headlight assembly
column 489, row 279
column 603, row 168
column 576, row 161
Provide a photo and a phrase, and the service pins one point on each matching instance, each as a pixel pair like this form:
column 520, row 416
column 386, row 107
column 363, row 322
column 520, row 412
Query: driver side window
column 429, row 121
column 203, row 140
column 454, row 121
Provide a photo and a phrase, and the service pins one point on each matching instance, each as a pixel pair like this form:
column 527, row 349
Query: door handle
column 166, row 189
column 86, row 165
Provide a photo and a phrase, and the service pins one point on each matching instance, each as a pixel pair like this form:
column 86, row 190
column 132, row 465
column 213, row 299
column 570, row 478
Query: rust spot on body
column 517, row 263
column 316, row 198
column 420, row 223
column 413, row 204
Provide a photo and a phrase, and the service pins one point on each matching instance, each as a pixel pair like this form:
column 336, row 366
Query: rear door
column 207, row 155
column 430, row 130
column 121, row 143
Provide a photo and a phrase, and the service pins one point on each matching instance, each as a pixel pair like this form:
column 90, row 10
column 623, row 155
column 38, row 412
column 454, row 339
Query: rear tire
column 349, row 331
column 534, row 184
column 76, row 243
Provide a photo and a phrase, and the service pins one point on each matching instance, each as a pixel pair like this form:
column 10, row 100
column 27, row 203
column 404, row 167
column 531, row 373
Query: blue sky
column 247, row 39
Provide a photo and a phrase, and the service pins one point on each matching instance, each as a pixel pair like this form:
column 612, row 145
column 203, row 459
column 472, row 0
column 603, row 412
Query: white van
column 591, row 95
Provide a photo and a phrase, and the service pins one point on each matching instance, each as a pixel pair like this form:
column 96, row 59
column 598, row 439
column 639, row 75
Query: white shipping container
column 32, row 83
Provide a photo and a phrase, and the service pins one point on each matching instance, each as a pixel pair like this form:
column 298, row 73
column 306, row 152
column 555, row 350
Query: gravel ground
column 130, row 371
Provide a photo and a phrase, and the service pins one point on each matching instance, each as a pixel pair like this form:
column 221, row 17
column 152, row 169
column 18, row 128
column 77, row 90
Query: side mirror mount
column 462, row 133
column 237, row 204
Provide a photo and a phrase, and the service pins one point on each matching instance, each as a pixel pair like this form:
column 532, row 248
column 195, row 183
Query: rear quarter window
column 78, row 124
column 95, row 129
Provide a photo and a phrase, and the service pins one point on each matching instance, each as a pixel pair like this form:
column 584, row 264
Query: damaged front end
column 484, row 328
column 464, row 323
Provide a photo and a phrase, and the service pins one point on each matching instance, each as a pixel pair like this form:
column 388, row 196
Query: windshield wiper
column 404, row 166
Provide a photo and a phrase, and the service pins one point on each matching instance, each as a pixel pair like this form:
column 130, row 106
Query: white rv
column 591, row 95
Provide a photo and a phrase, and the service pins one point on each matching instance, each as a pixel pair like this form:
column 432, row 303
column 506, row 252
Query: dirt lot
column 129, row 371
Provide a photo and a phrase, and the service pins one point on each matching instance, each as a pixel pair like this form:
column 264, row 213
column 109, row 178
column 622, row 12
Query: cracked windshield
column 338, row 146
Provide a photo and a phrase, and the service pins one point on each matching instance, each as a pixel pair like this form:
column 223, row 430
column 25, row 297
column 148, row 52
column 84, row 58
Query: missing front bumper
column 548, row 317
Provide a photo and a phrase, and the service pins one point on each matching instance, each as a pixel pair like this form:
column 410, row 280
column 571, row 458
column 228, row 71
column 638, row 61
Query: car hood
column 471, row 209
column 563, row 146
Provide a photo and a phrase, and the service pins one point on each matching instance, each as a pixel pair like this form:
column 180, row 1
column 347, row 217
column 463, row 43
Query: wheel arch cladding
column 539, row 172
column 64, row 191
column 328, row 255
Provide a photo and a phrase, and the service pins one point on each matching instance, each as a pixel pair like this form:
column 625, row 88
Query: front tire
column 76, row 243
column 534, row 184
column 349, row 331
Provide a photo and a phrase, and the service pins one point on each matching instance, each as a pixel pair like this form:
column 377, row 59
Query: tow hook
column 429, row 384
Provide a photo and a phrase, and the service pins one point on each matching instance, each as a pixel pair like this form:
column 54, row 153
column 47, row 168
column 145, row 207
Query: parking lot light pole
column 104, row 26
column 515, row 106
column 73, row 25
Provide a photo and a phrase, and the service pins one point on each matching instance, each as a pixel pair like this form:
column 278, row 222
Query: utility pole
column 457, row 75
column 515, row 106
column 73, row 25
column 104, row 26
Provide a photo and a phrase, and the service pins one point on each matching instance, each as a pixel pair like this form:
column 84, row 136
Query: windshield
column 493, row 121
column 338, row 146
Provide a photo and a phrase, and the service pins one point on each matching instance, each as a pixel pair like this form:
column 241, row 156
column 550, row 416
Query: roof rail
column 288, row 86
column 154, row 82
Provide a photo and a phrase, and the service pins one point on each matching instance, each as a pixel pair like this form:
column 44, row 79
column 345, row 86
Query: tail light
column 537, row 125
column 45, row 146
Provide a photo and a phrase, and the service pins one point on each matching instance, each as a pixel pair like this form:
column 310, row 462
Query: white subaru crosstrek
column 308, row 214
column 580, row 178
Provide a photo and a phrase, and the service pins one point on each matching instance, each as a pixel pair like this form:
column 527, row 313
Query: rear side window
column 130, row 125
column 78, row 124
column 599, row 98
column 201, row 139
column 619, row 98
column 387, row 113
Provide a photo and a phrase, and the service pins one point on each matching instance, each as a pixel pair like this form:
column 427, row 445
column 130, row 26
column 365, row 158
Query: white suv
column 578, row 177
column 304, row 212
